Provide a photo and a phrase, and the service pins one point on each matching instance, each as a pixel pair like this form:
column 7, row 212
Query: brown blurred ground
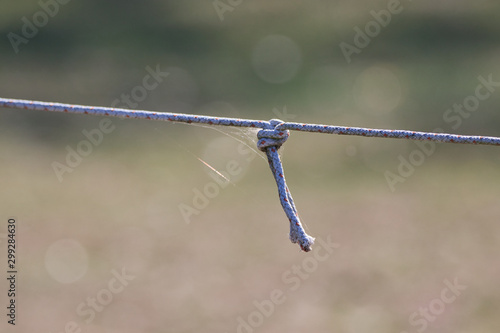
column 121, row 205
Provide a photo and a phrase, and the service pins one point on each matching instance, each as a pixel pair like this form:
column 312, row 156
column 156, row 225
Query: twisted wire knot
column 272, row 137
column 270, row 140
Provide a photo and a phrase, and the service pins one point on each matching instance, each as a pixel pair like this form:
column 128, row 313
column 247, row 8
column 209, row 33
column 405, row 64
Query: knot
column 272, row 137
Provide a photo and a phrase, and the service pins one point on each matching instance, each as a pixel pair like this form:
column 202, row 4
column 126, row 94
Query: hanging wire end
column 299, row 236
column 270, row 140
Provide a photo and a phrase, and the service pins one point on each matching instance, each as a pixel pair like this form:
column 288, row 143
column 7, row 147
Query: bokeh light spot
column 66, row 260
column 377, row 90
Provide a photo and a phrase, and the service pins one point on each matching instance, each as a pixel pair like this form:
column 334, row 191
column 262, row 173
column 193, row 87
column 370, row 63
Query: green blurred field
column 119, row 208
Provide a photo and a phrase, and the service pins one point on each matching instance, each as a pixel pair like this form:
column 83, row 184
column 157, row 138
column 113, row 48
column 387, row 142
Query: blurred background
column 126, row 230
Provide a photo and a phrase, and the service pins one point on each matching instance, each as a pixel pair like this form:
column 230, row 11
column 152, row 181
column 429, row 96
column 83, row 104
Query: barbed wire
column 271, row 137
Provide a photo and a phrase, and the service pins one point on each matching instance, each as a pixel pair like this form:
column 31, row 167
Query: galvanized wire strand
column 271, row 137
column 223, row 121
column 131, row 114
